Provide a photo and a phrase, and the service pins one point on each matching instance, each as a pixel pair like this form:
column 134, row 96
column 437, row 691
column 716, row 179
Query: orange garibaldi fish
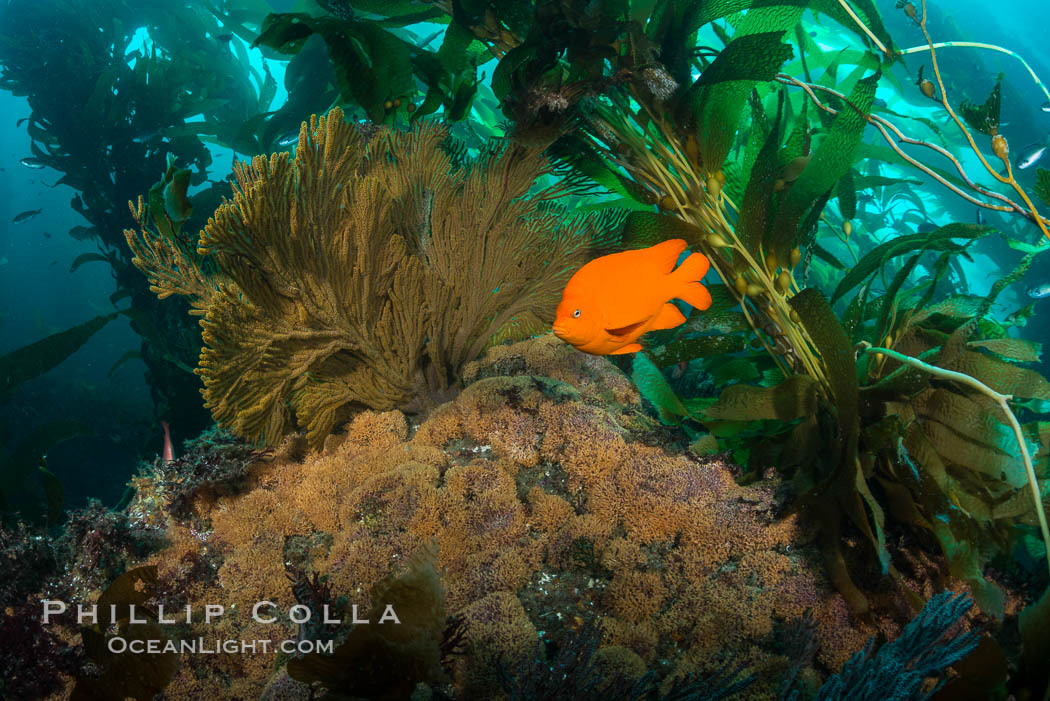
column 611, row 301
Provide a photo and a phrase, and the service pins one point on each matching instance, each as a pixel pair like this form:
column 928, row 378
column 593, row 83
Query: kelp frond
column 973, row 421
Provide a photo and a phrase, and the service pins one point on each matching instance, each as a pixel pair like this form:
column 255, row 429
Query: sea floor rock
column 549, row 505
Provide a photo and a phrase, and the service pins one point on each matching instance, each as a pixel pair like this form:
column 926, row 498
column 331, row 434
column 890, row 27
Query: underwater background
column 328, row 377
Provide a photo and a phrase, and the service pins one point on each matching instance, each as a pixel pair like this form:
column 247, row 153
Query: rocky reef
column 552, row 506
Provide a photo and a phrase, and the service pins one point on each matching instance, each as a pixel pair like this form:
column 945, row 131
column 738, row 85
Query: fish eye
column 576, row 314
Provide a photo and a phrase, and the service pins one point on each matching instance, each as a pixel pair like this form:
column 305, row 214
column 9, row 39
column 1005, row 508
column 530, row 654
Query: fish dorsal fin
column 666, row 254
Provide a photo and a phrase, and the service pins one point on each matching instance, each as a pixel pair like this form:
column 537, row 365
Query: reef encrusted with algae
column 548, row 508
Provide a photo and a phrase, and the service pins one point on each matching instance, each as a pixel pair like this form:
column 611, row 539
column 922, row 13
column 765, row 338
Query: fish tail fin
column 687, row 279
column 692, row 268
column 695, row 295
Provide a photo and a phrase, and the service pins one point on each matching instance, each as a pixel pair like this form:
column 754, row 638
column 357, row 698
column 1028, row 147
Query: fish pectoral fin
column 629, row 348
column 627, row 330
column 668, row 317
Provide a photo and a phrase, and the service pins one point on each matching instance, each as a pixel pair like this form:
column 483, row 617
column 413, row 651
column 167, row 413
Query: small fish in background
column 980, row 217
column 3, row 260
column 611, row 301
column 25, row 216
column 1039, row 291
column 82, row 233
column 792, row 171
column 223, row 38
column 47, row 235
column 169, row 453
column 32, row 162
column 1045, row 106
column 147, row 136
column 1030, row 156
column 288, row 139
column 53, row 263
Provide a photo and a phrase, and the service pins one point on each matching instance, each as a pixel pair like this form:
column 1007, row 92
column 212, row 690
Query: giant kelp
column 105, row 113
column 936, row 457
column 36, row 358
column 363, row 273
column 17, row 367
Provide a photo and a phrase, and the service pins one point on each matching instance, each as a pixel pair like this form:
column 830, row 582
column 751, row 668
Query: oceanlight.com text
column 118, row 645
